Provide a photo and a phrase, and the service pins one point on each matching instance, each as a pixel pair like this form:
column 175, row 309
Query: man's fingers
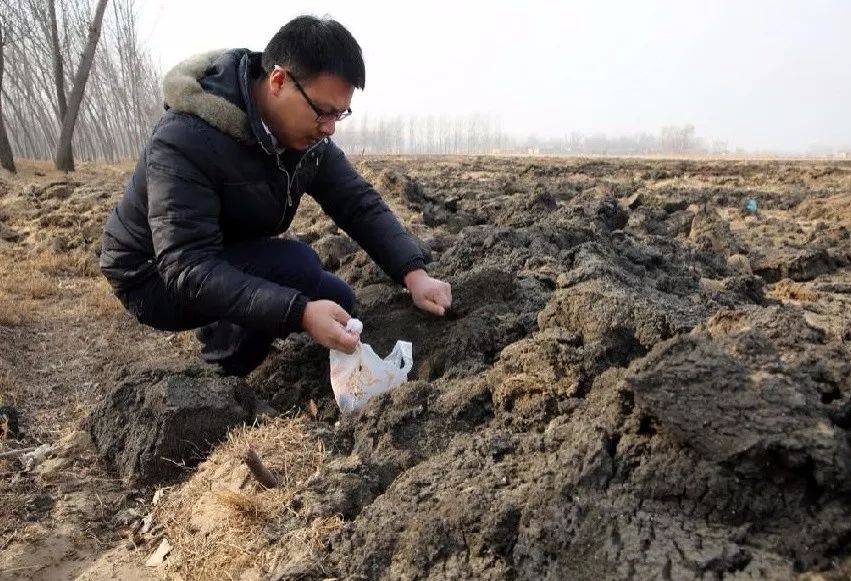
column 347, row 342
column 432, row 307
column 433, row 296
column 441, row 294
column 340, row 315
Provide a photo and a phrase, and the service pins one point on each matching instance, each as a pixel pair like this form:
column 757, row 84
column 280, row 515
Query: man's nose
column 327, row 128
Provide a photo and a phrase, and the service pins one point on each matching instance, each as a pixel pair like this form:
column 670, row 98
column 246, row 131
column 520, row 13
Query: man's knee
column 286, row 262
column 328, row 286
column 293, row 258
column 335, row 289
column 302, row 253
column 293, row 264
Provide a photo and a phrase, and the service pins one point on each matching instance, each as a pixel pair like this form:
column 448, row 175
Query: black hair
column 309, row 46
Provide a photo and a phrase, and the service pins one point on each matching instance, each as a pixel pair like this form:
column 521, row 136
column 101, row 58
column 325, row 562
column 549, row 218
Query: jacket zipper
column 291, row 179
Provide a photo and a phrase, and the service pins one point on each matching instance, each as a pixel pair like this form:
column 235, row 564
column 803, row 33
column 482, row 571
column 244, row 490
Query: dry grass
column 24, row 283
column 6, row 385
column 789, row 290
column 48, row 286
column 10, row 313
column 72, row 263
column 221, row 521
column 21, row 289
column 186, row 342
column 101, row 303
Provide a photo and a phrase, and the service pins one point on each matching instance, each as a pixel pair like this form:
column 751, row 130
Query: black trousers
column 236, row 349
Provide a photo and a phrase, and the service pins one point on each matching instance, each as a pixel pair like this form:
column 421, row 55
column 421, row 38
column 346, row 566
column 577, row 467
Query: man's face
column 289, row 114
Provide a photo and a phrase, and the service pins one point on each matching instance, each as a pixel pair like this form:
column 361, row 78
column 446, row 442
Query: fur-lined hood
column 213, row 86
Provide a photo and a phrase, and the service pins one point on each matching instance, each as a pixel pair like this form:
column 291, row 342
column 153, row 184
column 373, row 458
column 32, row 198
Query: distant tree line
column 478, row 134
column 676, row 139
column 75, row 80
column 418, row 134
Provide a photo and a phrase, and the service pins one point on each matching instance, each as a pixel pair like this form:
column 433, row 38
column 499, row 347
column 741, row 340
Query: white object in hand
column 354, row 326
column 357, row 377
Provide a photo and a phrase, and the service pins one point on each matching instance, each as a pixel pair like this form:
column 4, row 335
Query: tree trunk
column 7, row 160
column 64, row 154
column 58, row 69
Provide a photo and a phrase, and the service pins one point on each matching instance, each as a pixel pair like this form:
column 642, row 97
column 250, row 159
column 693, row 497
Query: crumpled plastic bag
column 357, row 377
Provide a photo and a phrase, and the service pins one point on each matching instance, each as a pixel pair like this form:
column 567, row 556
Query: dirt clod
column 9, row 422
column 156, row 425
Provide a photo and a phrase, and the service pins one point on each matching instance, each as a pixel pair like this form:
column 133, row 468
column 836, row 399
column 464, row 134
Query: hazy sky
column 767, row 75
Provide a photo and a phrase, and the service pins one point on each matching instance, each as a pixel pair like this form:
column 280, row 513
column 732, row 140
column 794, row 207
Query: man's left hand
column 429, row 294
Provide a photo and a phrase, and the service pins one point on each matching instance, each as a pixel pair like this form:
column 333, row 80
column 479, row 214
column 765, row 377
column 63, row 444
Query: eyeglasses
column 321, row 116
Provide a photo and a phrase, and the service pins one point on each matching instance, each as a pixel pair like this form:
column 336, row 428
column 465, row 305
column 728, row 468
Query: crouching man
column 193, row 242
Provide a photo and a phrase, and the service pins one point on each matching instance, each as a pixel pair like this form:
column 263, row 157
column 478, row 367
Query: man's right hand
column 325, row 322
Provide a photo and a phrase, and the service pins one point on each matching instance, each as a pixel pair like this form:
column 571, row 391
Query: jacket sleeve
column 183, row 213
column 358, row 209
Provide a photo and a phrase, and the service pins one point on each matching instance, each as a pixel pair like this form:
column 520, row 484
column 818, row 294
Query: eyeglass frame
column 320, row 114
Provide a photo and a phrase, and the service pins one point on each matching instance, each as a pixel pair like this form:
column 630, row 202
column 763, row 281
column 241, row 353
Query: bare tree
column 7, row 160
column 58, row 69
column 678, row 139
column 64, row 153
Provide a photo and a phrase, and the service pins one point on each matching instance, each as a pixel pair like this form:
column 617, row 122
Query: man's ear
column 277, row 77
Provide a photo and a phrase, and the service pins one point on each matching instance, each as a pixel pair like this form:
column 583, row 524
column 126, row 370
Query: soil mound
column 614, row 394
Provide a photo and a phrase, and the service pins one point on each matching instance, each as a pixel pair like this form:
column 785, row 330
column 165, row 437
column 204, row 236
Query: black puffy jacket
column 210, row 176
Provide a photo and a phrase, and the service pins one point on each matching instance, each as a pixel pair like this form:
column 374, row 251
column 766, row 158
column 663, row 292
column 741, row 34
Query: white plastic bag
column 357, row 377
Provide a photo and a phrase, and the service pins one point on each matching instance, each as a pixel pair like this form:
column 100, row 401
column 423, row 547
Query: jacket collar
column 262, row 135
column 216, row 86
